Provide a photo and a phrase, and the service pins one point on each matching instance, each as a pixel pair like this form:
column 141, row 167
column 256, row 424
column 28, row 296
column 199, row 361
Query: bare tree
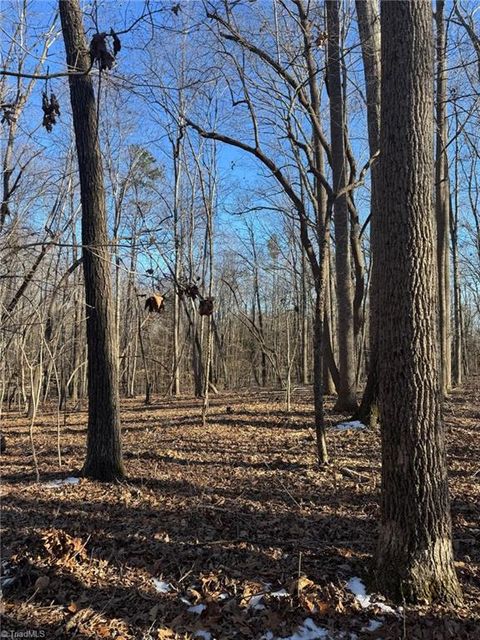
column 104, row 453
column 442, row 202
column 369, row 28
column 347, row 400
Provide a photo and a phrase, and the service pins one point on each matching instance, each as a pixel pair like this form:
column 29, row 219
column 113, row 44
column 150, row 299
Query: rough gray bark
column 346, row 343
column 414, row 559
column 104, row 455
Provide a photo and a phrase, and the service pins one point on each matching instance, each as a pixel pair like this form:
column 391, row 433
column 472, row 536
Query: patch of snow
column 307, row 631
column 53, row 484
column 161, row 586
column 206, row 635
column 385, row 608
column 198, row 608
column 373, row 625
column 254, row 603
column 356, row 586
column 352, row 424
column 185, row 601
column 281, row 593
column 223, row 596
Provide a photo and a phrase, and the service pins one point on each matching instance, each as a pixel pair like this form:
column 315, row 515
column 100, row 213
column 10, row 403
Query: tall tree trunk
column 104, row 454
column 346, row 344
column 457, row 362
column 369, row 28
column 414, row 555
column 177, row 237
column 442, row 204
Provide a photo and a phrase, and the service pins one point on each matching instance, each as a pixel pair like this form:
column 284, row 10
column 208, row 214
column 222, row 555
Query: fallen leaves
column 203, row 523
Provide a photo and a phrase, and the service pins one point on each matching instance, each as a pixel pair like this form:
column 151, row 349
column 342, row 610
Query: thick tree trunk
column 414, row 558
column 104, row 455
column 442, row 204
column 346, row 344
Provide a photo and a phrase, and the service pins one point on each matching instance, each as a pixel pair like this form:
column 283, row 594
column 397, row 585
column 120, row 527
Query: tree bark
column 414, row 559
column 442, row 204
column 104, row 454
column 346, row 344
column 457, row 360
column 370, row 38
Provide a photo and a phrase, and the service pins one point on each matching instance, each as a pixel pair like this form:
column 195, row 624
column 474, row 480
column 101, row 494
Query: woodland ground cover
column 228, row 531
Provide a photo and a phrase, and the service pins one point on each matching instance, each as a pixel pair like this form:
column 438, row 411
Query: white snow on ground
column 356, row 586
column 307, row 631
column 353, row 424
column 161, row 586
column 53, row 484
column 197, row 608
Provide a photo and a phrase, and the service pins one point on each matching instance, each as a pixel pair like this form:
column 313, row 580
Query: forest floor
column 229, row 531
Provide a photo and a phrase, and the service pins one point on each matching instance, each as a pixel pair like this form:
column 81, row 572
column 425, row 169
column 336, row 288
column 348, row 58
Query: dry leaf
column 322, row 607
column 300, row 584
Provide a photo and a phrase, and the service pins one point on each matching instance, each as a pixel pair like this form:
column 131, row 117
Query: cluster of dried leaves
column 236, row 519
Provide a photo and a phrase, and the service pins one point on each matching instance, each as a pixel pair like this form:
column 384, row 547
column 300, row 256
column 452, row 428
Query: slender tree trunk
column 346, row 344
column 457, row 363
column 304, row 321
column 442, row 204
column 369, row 28
column 331, row 378
column 104, row 454
column 177, row 150
column 148, row 384
column 414, row 557
column 318, row 392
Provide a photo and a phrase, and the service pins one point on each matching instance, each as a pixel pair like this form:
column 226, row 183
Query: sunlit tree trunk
column 442, row 204
column 104, row 454
column 369, row 29
column 346, row 343
column 414, row 559
column 457, row 360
